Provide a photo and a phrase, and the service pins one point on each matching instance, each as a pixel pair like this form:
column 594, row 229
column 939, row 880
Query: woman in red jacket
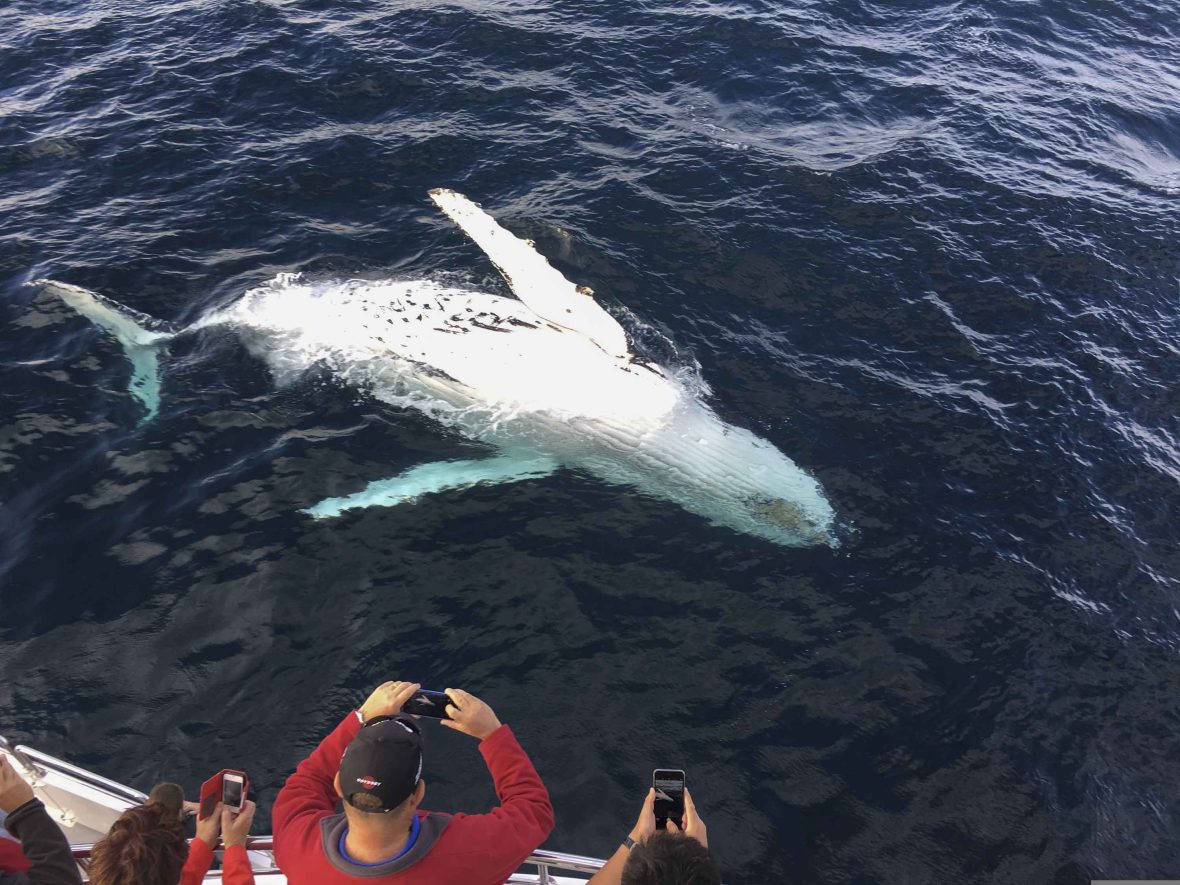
column 233, row 829
column 146, row 846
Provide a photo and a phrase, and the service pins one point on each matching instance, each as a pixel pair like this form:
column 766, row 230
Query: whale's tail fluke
column 141, row 337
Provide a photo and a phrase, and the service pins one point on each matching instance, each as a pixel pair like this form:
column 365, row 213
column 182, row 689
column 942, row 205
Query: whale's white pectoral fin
column 439, row 476
column 535, row 281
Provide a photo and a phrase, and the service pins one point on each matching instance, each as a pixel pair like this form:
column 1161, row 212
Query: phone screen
column 428, row 703
column 669, row 786
column 231, row 792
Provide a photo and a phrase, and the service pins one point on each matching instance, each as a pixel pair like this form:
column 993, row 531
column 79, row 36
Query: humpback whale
column 547, row 380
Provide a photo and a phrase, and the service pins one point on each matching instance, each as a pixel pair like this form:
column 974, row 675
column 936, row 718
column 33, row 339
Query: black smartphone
column 669, row 786
column 428, row 703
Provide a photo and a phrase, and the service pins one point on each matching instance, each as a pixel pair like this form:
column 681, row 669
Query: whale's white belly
column 491, row 351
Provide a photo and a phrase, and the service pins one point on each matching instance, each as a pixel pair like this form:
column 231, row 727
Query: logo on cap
column 368, row 782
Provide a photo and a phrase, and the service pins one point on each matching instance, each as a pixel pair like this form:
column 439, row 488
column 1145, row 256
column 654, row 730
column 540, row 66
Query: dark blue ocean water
column 929, row 250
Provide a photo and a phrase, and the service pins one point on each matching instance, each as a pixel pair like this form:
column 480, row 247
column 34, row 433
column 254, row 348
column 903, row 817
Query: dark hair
column 367, row 803
column 145, row 846
column 671, row 859
column 171, row 796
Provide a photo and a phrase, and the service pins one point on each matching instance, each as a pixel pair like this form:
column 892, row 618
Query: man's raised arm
column 524, row 819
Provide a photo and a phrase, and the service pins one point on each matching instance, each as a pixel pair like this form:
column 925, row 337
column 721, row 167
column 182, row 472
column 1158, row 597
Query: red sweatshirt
column 235, row 865
column 459, row 849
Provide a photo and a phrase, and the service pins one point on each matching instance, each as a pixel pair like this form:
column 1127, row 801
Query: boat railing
column 546, row 862
column 35, row 764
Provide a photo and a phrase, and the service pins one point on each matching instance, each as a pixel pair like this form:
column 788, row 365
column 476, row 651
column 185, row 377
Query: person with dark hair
column 45, row 857
column 373, row 762
column 662, row 857
column 671, row 859
column 171, row 796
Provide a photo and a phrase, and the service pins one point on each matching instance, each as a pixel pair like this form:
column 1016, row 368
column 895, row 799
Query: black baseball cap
column 383, row 760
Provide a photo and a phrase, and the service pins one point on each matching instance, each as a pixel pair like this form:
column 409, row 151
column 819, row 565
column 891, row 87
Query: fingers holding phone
column 387, row 699
column 674, row 809
column 209, row 826
column 227, row 787
column 235, row 828
column 470, row 715
column 645, row 826
column 694, row 827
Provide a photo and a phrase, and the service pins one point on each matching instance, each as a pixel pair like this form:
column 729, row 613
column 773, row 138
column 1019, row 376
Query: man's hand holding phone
column 645, row 827
column 387, row 699
column 465, row 712
column 470, row 715
column 694, row 827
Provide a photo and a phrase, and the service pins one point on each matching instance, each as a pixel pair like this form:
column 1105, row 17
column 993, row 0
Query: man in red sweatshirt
column 373, row 761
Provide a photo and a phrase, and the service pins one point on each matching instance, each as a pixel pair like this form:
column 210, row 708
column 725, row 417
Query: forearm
column 612, row 872
column 524, row 817
column 522, row 793
column 51, row 861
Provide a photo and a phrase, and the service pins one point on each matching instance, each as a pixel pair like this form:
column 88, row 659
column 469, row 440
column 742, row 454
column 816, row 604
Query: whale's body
column 547, row 381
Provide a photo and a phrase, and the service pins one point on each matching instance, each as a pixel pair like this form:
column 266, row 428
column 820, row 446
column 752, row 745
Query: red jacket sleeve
column 235, row 866
column 524, row 818
column 200, row 856
column 309, row 795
